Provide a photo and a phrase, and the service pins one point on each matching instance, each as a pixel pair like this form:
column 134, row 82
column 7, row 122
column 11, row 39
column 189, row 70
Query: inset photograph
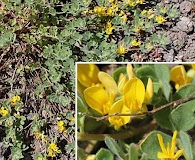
column 135, row 111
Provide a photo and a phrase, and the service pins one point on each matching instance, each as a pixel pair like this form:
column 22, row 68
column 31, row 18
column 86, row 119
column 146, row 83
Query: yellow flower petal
column 160, row 139
column 149, row 91
column 130, row 71
column 160, row 19
column 135, row 43
column 121, row 83
column 118, row 121
column 3, row 111
column 98, row 99
column 178, row 154
column 193, row 66
column 168, row 153
column 87, row 74
column 122, row 49
column 109, row 83
column 179, row 76
column 134, row 93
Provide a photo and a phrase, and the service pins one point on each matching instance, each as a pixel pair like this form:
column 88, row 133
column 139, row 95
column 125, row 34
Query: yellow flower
column 140, row 1
column 135, row 43
column 123, row 79
column 168, row 153
column 17, row 115
column 124, row 19
column 149, row 91
column 134, row 95
column 99, row 98
column 131, row 3
column 100, row 10
column 114, row 7
column 109, row 12
column 137, row 29
column 39, row 135
column 179, row 76
column 3, row 111
column 122, row 49
column 160, row 19
column 130, row 71
column 88, row 11
column 41, row 158
column 90, row 157
column 87, row 74
column 15, row 99
column 132, row 102
column 118, row 121
column 144, row 12
column 109, row 28
column 53, row 150
column 193, row 66
column 150, row 13
column 61, row 126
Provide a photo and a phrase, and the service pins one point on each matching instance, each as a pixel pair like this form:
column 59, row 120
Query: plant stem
column 118, row 136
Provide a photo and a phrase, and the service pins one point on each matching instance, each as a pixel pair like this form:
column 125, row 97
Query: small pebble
column 185, row 6
column 185, row 24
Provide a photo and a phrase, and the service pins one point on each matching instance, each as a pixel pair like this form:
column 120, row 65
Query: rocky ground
column 180, row 32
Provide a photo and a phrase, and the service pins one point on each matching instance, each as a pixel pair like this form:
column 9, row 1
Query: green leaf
column 150, row 144
column 101, row 2
column 65, row 8
column 157, row 93
column 81, row 104
column 183, row 116
column 173, row 13
column 133, row 153
column 163, row 74
column 114, row 147
column 146, row 72
column 104, row 154
column 64, row 100
column 163, row 40
column 162, row 116
column 186, row 144
column 184, row 92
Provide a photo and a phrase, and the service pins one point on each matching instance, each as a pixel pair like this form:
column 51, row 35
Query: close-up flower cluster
column 139, row 105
